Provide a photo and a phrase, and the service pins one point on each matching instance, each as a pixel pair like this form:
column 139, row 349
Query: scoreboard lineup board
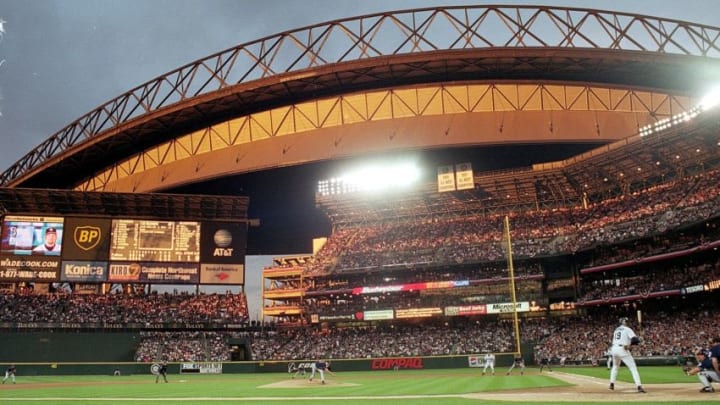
column 97, row 250
column 155, row 241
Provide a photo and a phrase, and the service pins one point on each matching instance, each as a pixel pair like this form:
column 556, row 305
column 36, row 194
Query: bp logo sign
column 87, row 237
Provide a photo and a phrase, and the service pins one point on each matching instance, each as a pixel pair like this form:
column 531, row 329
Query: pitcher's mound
column 301, row 383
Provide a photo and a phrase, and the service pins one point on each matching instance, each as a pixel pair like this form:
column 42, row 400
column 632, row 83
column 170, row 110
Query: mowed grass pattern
column 348, row 388
column 648, row 375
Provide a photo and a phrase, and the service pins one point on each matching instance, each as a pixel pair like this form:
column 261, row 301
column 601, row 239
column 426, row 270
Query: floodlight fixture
column 382, row 177
column 711, row 99
column 372, row 179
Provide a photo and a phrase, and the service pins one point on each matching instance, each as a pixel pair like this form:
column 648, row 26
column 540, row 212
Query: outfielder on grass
column 10, row 373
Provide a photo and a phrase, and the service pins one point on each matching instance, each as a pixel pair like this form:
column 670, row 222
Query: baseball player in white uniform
column 623, row 337
column 608, row 354
column 489, row 359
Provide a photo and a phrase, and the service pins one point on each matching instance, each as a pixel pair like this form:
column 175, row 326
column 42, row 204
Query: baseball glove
column 686, row 370
column 634, row 341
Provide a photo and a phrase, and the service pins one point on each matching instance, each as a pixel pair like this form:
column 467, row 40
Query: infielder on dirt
column 518, row 361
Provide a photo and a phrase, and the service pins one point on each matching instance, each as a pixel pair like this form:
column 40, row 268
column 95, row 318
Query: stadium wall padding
column 132, row 368
column 93, row 353
column 53, row 347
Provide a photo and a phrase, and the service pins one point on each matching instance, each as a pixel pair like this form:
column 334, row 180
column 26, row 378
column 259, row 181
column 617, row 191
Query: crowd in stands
column 666, row 330
column 581, row 339
column 675, row 329
column 449, row 249
column 124, row 308
column 651, row 223
column 182, row 346
column 489, row 281
column 577, row 340
column 661, row 278
column 416, row 340
column 474, row 239
column 482, row 294
column 486, row 272
column 653, row 246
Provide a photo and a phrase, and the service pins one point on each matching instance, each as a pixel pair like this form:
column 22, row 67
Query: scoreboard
column 103, row 249
column 155, row 241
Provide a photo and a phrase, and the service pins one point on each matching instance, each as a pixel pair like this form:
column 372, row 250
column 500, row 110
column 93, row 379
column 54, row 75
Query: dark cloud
column 65, row 57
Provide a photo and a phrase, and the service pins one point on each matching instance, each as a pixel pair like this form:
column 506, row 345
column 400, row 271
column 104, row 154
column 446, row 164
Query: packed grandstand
column 578, row 268
column 540, row 259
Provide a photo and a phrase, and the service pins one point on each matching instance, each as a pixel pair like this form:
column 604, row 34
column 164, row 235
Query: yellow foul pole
column 512, row 284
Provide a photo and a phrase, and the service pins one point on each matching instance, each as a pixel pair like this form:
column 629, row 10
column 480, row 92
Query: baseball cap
column 699, row 352
column 51, row 230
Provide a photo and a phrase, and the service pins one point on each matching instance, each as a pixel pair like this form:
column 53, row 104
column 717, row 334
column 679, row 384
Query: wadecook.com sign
column 397, row 363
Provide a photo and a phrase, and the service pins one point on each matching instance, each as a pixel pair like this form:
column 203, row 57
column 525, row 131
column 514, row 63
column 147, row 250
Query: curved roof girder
column 420, row 117
column 203, row 89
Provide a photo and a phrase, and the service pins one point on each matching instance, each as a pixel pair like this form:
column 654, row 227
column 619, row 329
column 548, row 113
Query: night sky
column 62, row 58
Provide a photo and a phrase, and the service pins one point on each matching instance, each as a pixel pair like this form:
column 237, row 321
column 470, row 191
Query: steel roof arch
column 206, row 89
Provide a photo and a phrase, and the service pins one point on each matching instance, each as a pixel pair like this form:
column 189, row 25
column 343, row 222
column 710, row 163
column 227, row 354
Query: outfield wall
column 92, row 353
column 53, row 347
column 388, row 363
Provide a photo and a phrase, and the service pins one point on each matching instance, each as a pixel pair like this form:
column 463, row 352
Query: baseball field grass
column 452, row 387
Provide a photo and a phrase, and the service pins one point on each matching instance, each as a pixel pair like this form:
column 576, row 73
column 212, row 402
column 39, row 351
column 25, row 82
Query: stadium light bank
column 710, row 101
column 373, row 179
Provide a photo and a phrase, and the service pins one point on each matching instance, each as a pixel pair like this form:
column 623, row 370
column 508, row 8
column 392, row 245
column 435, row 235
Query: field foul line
column 185, row 399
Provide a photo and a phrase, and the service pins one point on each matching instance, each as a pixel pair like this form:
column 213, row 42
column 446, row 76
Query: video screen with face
column 41, row 236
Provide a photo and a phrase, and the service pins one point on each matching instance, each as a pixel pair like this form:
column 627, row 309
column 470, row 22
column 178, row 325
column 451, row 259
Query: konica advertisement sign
column 84, row 271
